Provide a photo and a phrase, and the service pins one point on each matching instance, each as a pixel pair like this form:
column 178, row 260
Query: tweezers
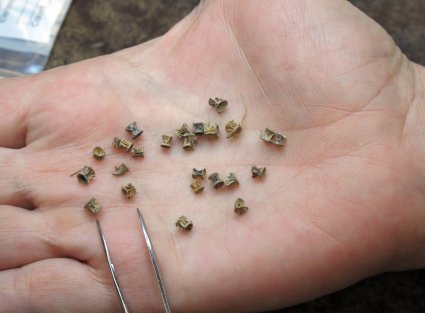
column 112, row 268
column 154, row 263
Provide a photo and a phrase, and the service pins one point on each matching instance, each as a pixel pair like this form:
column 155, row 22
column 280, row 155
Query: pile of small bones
column 189, row 140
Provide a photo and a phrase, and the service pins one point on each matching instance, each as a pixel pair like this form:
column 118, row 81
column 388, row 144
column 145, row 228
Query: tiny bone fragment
column 279, row 140
column 128, row 191
column 215, row 180
column 258, row 171
column 267, row 135
column 218, row 103
column 120, row 170
column 198, row 128
column 240, row 207
column 199, row 173
column 166, row 141
column 231, row 179
column 271, row 136
column 93, row 206
column 98, row 153
column 211, row 130
column 182, row 131
column 232, row 128
column 138, row 152
column 122, row 144
column 189, row 141
column 196, row 186
column 134, row 130
column 116, row 142
column 85, row 175
column 184, row 223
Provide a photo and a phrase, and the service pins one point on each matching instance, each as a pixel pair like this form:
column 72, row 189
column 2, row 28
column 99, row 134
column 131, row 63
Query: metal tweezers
column 154, row 263
column 112, row 268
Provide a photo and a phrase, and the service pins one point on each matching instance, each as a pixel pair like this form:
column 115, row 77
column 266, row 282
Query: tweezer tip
column 142, row 220
column 154, row 263
column 98, row 226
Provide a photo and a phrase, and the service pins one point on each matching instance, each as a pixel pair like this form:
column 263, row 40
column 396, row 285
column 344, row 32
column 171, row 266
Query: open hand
column 340, row 202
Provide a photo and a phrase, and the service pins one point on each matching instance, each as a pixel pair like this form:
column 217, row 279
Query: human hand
column 338, row 204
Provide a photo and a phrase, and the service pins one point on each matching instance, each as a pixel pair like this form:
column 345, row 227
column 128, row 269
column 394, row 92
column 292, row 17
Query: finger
column 30, row 236
column 42, row 179
column 13, row 112
column 32, row 287
column 32, row 179
column 14, row 187
column 55, row 285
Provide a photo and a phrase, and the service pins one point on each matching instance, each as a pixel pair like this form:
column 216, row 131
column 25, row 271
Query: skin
column 342, row 201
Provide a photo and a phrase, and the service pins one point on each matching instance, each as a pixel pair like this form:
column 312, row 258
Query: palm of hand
column 317, row 70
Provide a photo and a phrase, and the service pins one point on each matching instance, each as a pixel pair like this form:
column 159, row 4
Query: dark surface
column 98, row 27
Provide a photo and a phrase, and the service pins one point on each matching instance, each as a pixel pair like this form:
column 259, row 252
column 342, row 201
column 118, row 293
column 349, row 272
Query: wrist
column 411, row 245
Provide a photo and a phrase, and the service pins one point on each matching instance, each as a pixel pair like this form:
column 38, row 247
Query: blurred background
column 98, row 27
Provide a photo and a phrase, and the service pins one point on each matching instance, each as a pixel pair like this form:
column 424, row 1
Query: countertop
column 99, row 27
